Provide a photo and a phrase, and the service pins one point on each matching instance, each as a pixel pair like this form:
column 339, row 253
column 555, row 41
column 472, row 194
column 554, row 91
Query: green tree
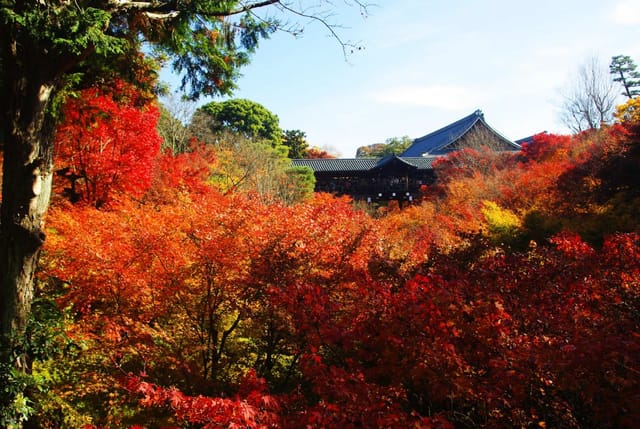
column 625, row 72
column 245, row 165
column 47, row 47
column 296, row 141
column 245, row 117
column 391, row 146
column 396, row 145
column 298, row 185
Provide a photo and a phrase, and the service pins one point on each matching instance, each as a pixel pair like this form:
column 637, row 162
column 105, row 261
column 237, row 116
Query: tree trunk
column 27, row 177
column 25, row 197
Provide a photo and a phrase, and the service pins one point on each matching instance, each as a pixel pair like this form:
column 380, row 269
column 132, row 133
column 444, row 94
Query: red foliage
column 545, row 147
column 107, row 144
column 235, row 312
column 254, row 409
column 186, row 172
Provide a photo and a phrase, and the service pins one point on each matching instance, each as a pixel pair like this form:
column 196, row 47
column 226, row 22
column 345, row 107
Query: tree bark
column 28, row 134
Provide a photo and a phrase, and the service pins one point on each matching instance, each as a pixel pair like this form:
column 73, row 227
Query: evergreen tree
column 244, row 117
column 624, row 71
column 296, row 141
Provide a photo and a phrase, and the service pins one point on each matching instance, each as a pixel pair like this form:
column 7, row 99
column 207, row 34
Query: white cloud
column 448, row 97
column 626, row 12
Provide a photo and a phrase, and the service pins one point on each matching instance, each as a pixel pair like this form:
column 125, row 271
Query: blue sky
column 427, row 63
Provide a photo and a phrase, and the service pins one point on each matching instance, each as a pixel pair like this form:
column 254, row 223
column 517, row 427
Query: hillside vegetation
column 508, row 297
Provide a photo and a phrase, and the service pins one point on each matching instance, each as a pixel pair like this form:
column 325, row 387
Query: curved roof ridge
column 474, row 117
column 390, row 158
column 435, row 140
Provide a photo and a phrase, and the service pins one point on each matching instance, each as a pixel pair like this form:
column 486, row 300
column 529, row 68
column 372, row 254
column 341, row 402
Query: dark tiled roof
column 420, row 154
column 362, row 164
column 421, row 162
column 337, row 164
column 437, row 141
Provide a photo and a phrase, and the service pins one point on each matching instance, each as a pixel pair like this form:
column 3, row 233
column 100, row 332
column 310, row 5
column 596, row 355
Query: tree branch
column 169, row 9
column 323, row 21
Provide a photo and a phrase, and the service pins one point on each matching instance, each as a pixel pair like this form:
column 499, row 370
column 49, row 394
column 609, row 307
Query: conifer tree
column 623, row 69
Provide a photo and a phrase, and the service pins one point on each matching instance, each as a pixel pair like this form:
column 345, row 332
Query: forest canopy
column 209, row 287
column 507, row 297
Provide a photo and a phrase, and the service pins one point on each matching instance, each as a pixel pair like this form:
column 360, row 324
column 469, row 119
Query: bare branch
column 589, row 101
column 323, row 20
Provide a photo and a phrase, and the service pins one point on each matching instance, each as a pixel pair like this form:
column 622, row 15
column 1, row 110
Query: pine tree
column 624, row 70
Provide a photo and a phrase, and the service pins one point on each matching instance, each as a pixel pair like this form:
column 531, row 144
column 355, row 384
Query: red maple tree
column 107, row 143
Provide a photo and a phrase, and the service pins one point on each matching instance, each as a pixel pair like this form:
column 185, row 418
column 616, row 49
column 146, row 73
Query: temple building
column 400, row 177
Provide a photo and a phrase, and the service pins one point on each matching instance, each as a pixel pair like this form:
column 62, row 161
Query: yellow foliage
column 499, row 219
column 504, row 226
column 629, row 111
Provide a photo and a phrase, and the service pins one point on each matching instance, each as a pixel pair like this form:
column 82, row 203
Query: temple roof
column 421, row 153
column 437, row 142
column 337, row 164
column 420, row 163
column 328, row 165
